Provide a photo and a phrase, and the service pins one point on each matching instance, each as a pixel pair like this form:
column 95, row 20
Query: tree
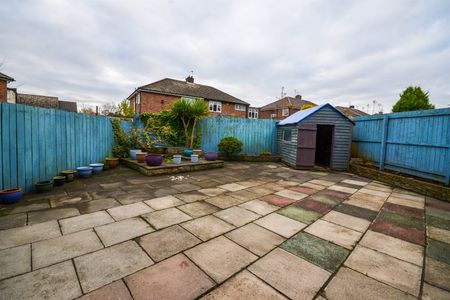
column 412, row 98
column 86, row 110
column 124, row 109
column 190, row 113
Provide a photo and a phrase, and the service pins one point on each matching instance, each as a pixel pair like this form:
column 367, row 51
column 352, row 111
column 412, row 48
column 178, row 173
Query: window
column 138, row 98
column 287, row 135
column 188, row 99
column 285, row 112
column 240, row 107
column 273, row 116
column 252, row 113
column 215, row 106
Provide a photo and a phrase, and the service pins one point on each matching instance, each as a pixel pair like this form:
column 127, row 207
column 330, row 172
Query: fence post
column 383, row 141
column 447, row 176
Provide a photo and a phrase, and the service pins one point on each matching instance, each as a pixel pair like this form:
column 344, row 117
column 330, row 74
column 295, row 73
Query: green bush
column 230, row 146
column 265, row 153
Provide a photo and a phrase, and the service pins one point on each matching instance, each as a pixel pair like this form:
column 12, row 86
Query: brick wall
column 3, row 91
column 279, row 112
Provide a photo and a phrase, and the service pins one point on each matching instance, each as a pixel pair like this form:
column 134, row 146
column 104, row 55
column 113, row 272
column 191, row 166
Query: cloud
column 329, row 51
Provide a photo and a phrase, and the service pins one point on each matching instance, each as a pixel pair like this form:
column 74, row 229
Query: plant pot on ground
column 11, row 196
column 211, row 156
column 140, row 156
column 97, row 167
column 112, row 162
column 84, row 171
column 154, row 160
column 44, row 186
column 69, row 174
column 59, row 180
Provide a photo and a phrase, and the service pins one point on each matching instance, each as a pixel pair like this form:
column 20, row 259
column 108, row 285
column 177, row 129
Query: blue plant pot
column 177, row 159
column 84, row 171
column 194, row 158
column 11, row 196
column 97, row 167
column 133, row 153
column 188, row 152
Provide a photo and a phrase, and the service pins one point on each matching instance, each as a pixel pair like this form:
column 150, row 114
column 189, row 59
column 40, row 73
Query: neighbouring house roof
column 46, row 102
column 67, row 106
column 351, row 111
column 6, row 77
column 303, row 114
column 168, row 86
column 296, row 103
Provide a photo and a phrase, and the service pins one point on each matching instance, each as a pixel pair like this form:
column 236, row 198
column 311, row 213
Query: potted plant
column 188, row 152
column 44, row 186
column 140, row 156
column 211, row 156
column 69, row 174
column 97, row 167
column 177, row 158
column 11, row 196
column 112, row 162
column 59, row 180
column 84, row 171
column 198, row 152
column 194, row 158
column 154, row 160
column 230, row 146
column 133, row 153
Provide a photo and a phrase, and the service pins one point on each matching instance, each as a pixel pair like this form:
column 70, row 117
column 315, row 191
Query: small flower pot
column 69, row 174
column 44, row 186
column 154, row 160
column 84, row 171
column 177, row 159
column 11, row 196
column 194, row 158
column 140, row 156
column 198, row 152
column 97, row 167
column 211, row 156
column 59, row 180
column 188, row 152
column 133, row 153
column 112, row 162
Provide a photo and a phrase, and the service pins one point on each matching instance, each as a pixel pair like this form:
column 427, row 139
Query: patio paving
column 247, row 231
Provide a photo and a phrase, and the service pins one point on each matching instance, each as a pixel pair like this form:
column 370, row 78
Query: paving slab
column 405, row 202
column 362, row 201
column 232, row 187
column 313, row 186
column 438, row 251
column 327, row 199
column 387, row 269
column 300, row 214
column 437, row 273
column 351, row 285
column 220, row 258
column 438, row 213
column 212, row 191
column 113, row 291
column 335, row 194
column 163, row 202
column 401, row 220
column 433, row 293
column 121, row 231
column 260, row 190
column 355, row 182
column 435, row 203
column 409, row 196
column 237, row 216
column 165, row 218
column 29, row 207
column 167, row 242
column 174, row 278
column 129, row 211
column 375, row 193
column 312, row 205
column 342, row 189
column 337, row 234
column 281, row 225
column 56, row 282
column 28, row 234
column 277, row 200
column 244, row 285
column 303, row 190
column 251, row 183
column 408, row 234
column 322, row 182
column 356, row 211
column 96, row 205
column 15, row 261
column 207, row 227
column 260, row 207
column 224, row 201
column 290, row 194
column 191, row 196
column 133, row 197
column 315, row 250
column 404, row 210
column 437, row 222
column 255, row 238
column 107, row 265
column 348, row 221
column 438, row 234
column 51, row 214
column 86, row 221
column 186, row 187
column 243, row 195
column 198, row 209
column 397, row 248
column 280, row 269
column 287, row 183
column 165, row 191
column 11, row 221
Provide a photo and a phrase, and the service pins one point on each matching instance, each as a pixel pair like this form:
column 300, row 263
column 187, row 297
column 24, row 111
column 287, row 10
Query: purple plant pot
column 154, row 160
column 211, row 156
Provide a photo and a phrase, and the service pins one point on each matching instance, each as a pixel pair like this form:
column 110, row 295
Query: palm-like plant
column 190, row 113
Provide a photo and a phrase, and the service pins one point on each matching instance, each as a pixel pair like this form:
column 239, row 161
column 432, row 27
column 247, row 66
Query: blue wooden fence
column 257, row 135
column 416, row 143
column 37, row 143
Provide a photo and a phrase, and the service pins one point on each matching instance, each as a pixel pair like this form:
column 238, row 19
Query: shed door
column 306, row 146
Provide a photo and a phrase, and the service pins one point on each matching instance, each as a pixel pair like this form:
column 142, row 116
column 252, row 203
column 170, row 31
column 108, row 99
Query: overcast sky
column 342, row 52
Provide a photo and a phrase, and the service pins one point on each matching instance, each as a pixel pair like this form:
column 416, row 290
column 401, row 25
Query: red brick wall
column 3, row 91
column 279, row 111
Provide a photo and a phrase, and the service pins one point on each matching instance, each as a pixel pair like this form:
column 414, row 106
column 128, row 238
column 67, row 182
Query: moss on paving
column 300, row 214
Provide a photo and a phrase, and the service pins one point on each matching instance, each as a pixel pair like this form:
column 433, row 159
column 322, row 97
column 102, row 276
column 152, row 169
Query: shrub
column 412, row 98
column 265, row 153
column 230, row 145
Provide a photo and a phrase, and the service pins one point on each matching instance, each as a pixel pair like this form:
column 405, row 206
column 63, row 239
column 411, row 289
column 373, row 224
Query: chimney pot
column 299, row 97
column 351, row 106
column 190, row 79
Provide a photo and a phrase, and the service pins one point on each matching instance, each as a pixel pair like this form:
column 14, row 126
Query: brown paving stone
column 280, row 269
column 335, row 194
column 260, row 190
column 404, row 210
column 207, row 227
column 220, row 258
column 166, row 217
column 290, row 194
column 243, row 195
column 244, row 286
column 412, row 235
column 432, row 202
column 406, row 202
column 174, row 278
column 96, row 205
column 237, row 216
column 277, row 200
column 198, row 209
column 113, row 291
column 303, row 190
column 167, row 242
column 316, row 206
column 437, row 273
column 433, row 293
column 356, row 211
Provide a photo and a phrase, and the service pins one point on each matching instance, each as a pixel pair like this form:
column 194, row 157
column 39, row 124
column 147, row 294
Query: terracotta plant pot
column 11, row 196
column 112, row 162
column 211, row 156
column 154, row 160
column 198, row 152
column 59, row 180
column 44, row 186
column 140, row 156
column 69, row 174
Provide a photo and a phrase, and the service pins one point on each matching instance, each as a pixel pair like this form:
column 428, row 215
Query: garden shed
column 321, row 135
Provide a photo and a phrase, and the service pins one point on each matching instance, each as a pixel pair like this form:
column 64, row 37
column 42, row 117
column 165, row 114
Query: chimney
column 351, row 106
column 190, row 79
column 299, row 97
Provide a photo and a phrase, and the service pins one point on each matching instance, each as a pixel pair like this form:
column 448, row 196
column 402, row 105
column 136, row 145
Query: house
column 160, row 95
column 4, row 80
column 351, row 111
column 283, row 107
column 46, row 102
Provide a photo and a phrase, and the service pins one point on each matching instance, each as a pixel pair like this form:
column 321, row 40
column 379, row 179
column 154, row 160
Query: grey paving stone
column 121, row 231
column 129, row 211
column 348, row 221
column 86, row 221
column 165, row 218
column 232, row 187
column 224, row 201
column 337, row 234
column 191, row 196
column 15, row 261
column 28, row 234
column 133, row 197
column 198, row 209
column 49, row 252
column 11, row 221
column 212, row 191
column 186, row 187
column 96, row 205
column 58, row 282
column 163, row 202
column 243, row 196
column 30, row 207
column 281, row 225
column 260, row 207
column 437, row 273
column 237, row 216
column 207, row 227
column 291, row 194
column 107, row 265
column 113, row 291
column 433, row 293
column 51, row 214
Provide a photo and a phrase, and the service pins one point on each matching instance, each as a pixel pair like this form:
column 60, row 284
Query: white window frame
column 285, row 112
column 189, row 99
column 215, row 106
column 273, row 116
column 253, row 113
column 240, row 107
column 138, row 98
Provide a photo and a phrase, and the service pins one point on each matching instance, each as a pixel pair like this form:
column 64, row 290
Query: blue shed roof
column 303, row 114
